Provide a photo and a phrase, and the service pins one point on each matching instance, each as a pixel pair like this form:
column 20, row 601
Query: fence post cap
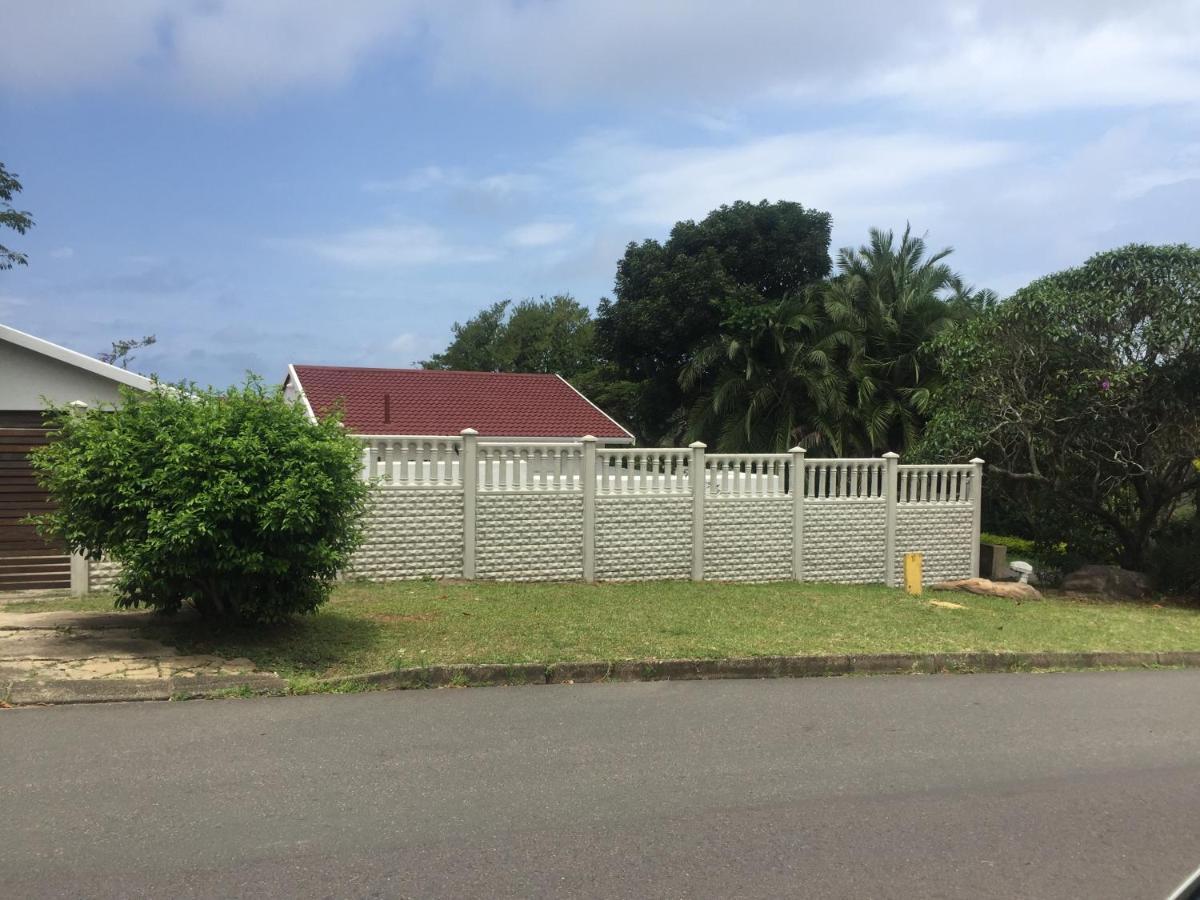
column 697, row 445
column 797, row 449
column 977, row 461
column 590, row 437
column 891, row 455
column 468, row 431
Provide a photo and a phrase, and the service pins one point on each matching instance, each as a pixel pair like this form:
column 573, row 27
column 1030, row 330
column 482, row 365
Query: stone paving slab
column 86, row 657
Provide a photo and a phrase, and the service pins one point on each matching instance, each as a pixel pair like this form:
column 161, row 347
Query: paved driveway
column 1068, row 785
column 53, row 656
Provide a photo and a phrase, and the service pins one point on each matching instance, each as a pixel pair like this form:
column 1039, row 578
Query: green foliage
column 894, row 300
column 718, row 276
column 231, row 500
column 776, row 385
column 1174, row 557
column 17, row 220
column 122, row 351
column 554, row 336
column 1082, row 388
column 842, row 367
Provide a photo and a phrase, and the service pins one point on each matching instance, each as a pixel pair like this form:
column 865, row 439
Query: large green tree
column 1081, row 389
column 545, row 335
column 776, row 384
column 895, row 298
column 843, row 366
column 16, row 219
column 722, row 275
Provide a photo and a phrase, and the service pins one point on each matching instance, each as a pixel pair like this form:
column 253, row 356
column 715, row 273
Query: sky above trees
column 264, row 182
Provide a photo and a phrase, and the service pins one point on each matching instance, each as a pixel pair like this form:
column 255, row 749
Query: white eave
column 74, row 358
column 295, row 378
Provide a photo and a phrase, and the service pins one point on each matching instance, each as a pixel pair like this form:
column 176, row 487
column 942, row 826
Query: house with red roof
column 498, row 405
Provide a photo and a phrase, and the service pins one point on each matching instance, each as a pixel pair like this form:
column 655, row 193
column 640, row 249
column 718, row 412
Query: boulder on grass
column 1112, row 582
column 1013, row 590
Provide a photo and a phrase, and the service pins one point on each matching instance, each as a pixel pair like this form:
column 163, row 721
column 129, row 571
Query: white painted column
column 81, row 575
column 976, row 513
column 589, row 508
column 470, row 489
column 697, row 479
column 891, row 493
column 798, row 513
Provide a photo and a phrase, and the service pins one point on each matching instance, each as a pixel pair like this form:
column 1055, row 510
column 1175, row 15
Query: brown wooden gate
column 27, row 560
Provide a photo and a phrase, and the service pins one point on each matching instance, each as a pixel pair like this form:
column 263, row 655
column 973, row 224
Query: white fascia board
column 292, row 376
column 628, row 439
column 76, row 359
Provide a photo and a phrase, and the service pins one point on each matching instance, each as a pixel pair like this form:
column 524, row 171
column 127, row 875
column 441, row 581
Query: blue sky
column 266, row 182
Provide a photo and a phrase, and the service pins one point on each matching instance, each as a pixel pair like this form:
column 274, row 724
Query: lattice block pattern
column 748, row 540
column 942, row 532
column 529, row 537
column 102, row 573
column 845, row 541
column 643, row 538
column 411, row 533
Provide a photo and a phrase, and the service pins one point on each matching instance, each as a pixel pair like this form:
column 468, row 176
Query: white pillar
column 797, row 513
column 81, row 575
column 696, row 476
column 589, row 508
column 891, row 492
column 470, row 488
column 976, row 513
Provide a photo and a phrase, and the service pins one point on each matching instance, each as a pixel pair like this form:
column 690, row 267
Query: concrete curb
column 31, row 693
column 752, row 667
column 42, row 693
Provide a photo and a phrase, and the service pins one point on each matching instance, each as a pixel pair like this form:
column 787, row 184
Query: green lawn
column 369, row 627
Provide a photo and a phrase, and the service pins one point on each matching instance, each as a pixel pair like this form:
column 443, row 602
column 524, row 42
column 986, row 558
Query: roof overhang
column 74, row 358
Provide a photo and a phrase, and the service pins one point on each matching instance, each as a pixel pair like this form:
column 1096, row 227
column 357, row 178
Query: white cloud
column 701, row 56
column 236, row 49
column 540, row 234
column 391, row 246
column 853, row 173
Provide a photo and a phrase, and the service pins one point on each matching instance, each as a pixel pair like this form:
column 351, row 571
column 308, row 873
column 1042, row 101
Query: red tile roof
column 424, row 401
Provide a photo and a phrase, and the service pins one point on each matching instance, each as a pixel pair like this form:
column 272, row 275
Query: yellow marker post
column 912, row 573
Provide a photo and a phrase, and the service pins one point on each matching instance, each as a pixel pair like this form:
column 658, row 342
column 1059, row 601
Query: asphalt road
column 1078, row 785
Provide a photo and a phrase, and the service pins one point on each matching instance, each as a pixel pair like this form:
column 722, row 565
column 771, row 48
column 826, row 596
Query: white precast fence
column 461, row 506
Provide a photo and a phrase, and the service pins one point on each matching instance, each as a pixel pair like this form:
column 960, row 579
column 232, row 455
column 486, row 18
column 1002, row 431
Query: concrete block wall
column 529, row 536
column 845, row 541
column 942, row 533
column 102, row 573
column 748, row 539
column 643, row 538
column 411, row 533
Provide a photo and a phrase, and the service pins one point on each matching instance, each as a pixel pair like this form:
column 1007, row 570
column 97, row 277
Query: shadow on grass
column 306, row 644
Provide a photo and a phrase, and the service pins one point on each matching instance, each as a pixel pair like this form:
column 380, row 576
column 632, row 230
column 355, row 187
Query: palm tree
column 895, row 299
column 776, row 385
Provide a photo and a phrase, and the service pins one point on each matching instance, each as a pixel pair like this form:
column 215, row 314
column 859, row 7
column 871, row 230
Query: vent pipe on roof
column 387, row 407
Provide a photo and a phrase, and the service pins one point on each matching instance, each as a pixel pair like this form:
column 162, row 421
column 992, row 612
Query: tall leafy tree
column 1081, row 388
column 896, row 297
column 776, row 384
column 709, row 278
column 17, row 220
column 545, row 335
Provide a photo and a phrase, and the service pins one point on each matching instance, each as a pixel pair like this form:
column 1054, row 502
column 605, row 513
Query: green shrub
column 232, row 500
column 1175, row 558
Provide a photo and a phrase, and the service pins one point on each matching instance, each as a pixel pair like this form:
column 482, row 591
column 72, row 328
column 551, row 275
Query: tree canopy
column 1081, row 389
column 16, row 219
column 545, row 335
column 724, row 273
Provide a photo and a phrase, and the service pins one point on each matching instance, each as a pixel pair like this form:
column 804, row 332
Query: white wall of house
column 27, row 377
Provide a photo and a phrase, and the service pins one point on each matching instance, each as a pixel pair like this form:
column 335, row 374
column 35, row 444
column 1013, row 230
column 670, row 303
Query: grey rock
column 1112, row 582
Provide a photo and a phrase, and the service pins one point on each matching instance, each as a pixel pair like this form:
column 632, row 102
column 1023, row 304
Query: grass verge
column 374, row 627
